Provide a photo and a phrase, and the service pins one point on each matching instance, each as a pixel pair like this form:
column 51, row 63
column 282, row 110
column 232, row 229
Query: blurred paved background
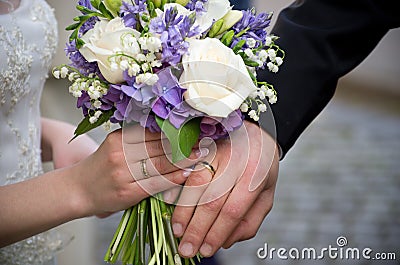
column 342, row 178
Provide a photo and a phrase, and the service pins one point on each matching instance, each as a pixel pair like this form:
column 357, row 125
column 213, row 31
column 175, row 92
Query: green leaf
column 85, row 126
column 95, row 3
column 251, row 63
column 183, row 139
column 73, row 26
column 85, row 10
column 103, row 9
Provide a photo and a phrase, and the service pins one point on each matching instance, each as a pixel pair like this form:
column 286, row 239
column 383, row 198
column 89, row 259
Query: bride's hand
column 123, row 171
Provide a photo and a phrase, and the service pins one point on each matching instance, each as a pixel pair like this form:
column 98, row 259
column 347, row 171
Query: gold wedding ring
column 208, row 166
column 144, row 168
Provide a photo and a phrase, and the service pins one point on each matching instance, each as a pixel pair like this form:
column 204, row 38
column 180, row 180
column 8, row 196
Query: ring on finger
column 208, row 166
column 144, row 168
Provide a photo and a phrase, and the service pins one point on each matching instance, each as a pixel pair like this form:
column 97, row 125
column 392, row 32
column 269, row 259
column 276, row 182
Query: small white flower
column 77, row 93
column 145, row 67
column 263, row 88
column 261, row 95
column 271, row 54
column 270, row 93
column 152, row 80
column 147, row 78
column 94, row 93
column 107, row 126
column 72, row 76
column 244, row 107
column 256, row 118
column 268, row 41
column 114, row 66
column 156, row 63
column 249, row 53
column 252, row 114
column 273, row 100
column 97, row 104
column 56, row 74
column 272, row 67
column 278, row 61
column 64, row 72
column 141, row 57
column 154, row 44
column 93, row 119
column 263, row 55
column 262, row 108
column 134, row 70
column 98, row 113
column 124, row 64
column 251, row 43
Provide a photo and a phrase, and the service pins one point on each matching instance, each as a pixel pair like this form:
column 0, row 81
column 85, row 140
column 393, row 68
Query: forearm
column 56, row 145
column 38, row 204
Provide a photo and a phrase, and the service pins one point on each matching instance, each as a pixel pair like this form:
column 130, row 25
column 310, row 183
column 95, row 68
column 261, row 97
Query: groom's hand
column 232, row 204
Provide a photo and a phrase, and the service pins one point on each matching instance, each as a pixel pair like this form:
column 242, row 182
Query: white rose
column 101, row 41
column 216, row 78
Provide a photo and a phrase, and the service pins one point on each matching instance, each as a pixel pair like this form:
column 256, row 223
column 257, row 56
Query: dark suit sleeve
column 323, row 40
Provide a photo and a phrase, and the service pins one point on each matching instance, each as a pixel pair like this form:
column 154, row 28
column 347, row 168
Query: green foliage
column 85, row 125
column 183, row 139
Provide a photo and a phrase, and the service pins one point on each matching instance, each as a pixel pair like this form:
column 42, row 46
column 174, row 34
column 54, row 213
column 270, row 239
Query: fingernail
column 186, row 249
column 202, row 152
column 206, row 250
column 186, row 173
column 177, row 229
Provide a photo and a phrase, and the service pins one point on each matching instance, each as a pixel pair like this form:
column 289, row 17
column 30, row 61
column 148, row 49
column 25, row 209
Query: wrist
column 78, row 202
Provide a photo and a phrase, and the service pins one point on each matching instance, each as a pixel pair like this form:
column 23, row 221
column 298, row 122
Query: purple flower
column 85, row 3
column 255, row 26
column 84, row 103
column 88, row 25
column 170, row 97
column 196, row 5
column 130, row 13
column 174, row 29
column 217, row 128
column 79, row 62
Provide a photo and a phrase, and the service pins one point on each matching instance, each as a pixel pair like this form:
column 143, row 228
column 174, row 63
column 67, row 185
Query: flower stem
column 128, row 219
column 142, row 230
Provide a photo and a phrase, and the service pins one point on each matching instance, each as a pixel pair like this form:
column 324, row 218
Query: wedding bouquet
column 186, row 68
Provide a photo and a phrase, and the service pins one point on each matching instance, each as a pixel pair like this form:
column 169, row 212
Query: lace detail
column 28, row 38
column 14, row 78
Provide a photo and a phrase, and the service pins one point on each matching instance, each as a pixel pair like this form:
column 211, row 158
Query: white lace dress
column 28, row 39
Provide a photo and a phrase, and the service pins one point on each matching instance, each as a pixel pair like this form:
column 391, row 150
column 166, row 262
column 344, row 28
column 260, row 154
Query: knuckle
column 114, row 137
column 158, row 164
column 212, row 203
column 154, row 147
column 198, row 179
column 176, row 177
column 192, row 233
column 232, row 211
column 115, row 158
column 249, row 233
